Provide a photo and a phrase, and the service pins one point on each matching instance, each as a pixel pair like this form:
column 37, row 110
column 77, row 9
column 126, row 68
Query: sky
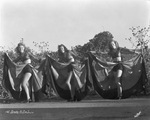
column 69, row 22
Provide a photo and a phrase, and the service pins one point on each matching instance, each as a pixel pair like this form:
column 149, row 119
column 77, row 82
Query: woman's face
column 113, row 45
column 62, row 49
column 21, row 48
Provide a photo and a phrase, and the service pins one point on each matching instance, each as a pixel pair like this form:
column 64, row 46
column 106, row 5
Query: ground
column 87, row 109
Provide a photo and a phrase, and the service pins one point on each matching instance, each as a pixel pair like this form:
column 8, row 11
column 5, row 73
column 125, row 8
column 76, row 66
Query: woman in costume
column 25, row 57
column 65, row 56
column 115, row 54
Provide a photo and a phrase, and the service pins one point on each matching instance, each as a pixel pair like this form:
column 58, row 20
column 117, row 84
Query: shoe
column 119, row 98
column 27, row 101
column 71, row 100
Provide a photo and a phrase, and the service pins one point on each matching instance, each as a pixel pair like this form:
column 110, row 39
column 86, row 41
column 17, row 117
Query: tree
column 142, row 37
column 98, row 43
column 101, row 40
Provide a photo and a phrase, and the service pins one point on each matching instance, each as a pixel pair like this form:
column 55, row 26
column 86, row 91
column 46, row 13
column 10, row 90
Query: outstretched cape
column 133, row 78
column 12, row 80
column 59, row 73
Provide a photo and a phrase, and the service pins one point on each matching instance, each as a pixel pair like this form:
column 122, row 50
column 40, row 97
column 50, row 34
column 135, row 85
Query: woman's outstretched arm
column 128, row 51
column 17, row 59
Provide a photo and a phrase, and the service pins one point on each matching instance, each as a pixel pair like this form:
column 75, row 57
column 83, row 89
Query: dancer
column 65, row 56
column 25, row 57
column 115, row 53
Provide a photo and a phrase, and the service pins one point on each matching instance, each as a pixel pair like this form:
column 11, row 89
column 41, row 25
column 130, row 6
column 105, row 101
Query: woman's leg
column 69, row 84
column 26, row 78
column 118, row 75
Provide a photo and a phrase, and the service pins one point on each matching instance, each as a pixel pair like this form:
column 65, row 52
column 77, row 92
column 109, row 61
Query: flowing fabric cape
column 12, row 79
column 133, row 79
column 59, row 73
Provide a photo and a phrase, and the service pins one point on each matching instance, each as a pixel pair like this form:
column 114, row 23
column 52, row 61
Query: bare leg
column 69, row 84
column 118, row 75
column 25, row 84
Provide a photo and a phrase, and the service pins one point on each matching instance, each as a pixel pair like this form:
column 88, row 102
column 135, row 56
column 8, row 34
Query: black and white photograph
column 74, row 60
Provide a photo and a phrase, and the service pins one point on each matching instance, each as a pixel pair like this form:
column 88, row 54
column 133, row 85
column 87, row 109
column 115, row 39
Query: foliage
column 141, row 40
column 141, row 37
column 42, row 46
column 98, row 43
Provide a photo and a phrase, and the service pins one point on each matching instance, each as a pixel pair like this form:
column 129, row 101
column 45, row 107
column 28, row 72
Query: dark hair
column 110, row 46
column 17, row 48
column 113, row 51
column 59, row 52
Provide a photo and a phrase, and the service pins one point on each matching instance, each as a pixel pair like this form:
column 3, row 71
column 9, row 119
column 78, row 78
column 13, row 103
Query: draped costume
column 90, row 75
column 13, row 76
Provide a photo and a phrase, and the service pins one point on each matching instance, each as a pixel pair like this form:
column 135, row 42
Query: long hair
column 112, row 50
column 59, row 51
column 110, row 46
column 17, row 48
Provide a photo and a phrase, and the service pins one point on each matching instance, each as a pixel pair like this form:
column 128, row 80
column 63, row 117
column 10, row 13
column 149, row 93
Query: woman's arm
column 17, row 59
column 94, row 52
column 111, row 63
column 128, row 51
column 71, row 58
column 104, row 53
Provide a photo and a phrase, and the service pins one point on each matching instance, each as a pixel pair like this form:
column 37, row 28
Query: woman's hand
column 93, row 52
column 111, row 63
